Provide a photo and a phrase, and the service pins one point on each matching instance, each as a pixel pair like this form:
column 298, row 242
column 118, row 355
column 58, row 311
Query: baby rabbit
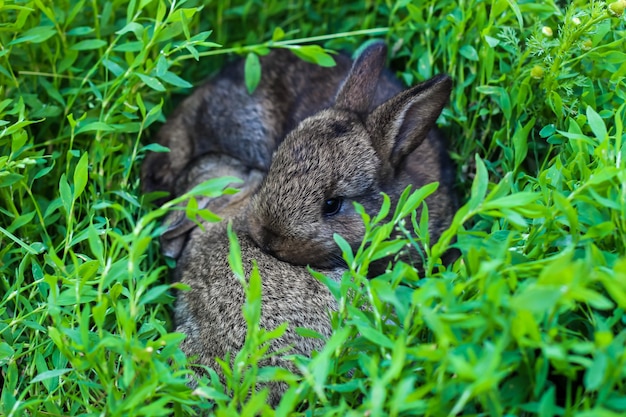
column 210, row 314
column 221, row 116
column 349, row 153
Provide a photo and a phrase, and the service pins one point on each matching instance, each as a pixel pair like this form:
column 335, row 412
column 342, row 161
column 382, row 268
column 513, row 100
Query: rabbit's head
column 341, row 155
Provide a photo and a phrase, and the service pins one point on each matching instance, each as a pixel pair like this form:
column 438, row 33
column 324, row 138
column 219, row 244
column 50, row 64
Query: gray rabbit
column 348, row 146
column 221, row 116
column 210, row 314
column 349, row 153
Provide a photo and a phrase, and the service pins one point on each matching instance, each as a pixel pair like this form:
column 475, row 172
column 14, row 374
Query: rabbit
column 349, row 153
column 222, row 117
column 210, row 313
column 391, row 147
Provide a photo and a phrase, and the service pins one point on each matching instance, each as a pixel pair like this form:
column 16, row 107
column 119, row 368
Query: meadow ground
column 530, row 319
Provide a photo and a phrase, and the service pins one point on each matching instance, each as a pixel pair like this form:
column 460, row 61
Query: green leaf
column 213, row 187
column 6, row 352
column 278, row 34
column 95, row 127
column 596, row 124
column 211, row 393
column 151, row 82
column 153, row 294
column 175, row 80
column 80, row 31
column 88, row 45
column 382, row 213
column 479, row 185
column 537, row 299
column 564, row 206
column 493, row 42
column 155, row 147
column 54, row 373
column 518, row 13
column 52, row 91
column 162, row 66
column 417, row 197
column 547, row 405
column 20, row 242
column 304, row 332
column 35, row 35
column 88, row 270
column 81, row 175
column 154, row 114
column 234, row 255
column 134, row 27
column 314, row 54
column 594, row 376
column 469, row 52
column 375, row 336
column 136, row 46
column 95, row 243
column 252, row 72
column 320, row 365
column 520, row 142
column 252, row 306
column 556, row 102
column 511, row 201
column 115, row 68
column 66, row 194
column 9, row 178
column 191, row 208
column 385, row 249
column 547, row 130
column 208, row 215
column 345, row 249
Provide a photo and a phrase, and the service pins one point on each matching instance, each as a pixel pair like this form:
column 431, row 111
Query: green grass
column 529, row 321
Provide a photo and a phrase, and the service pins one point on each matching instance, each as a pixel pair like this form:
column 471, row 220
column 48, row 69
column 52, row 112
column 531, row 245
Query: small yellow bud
column 547, row 30
column 586, row 45
column 617, row 8
column 537, row 72
column 603, row 339
column 576, row 21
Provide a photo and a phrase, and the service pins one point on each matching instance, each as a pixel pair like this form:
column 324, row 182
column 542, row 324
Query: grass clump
column 529, row 320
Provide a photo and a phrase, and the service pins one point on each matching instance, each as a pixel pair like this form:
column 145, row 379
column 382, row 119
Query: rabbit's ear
column 402, row 123
column 358, row 90
column 178, row 228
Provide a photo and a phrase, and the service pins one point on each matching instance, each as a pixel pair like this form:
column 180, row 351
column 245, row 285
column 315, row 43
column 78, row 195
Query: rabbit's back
column 210, row 313
column 221, row 116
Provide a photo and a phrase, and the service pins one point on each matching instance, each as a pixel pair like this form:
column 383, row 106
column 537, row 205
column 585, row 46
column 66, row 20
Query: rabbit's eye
column 332, row 206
